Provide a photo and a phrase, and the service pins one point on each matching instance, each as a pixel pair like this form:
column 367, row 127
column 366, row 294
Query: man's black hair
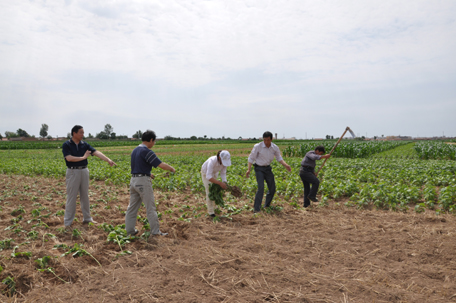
column 267, row 134
column 320, row 148
column 75, row 129
column 147, row 135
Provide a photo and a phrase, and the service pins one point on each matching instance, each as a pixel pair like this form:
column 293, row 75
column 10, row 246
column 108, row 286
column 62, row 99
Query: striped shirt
column 263, row 156
column 143, row 159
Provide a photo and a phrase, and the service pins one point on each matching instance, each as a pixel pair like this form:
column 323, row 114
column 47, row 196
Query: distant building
column 397, row 138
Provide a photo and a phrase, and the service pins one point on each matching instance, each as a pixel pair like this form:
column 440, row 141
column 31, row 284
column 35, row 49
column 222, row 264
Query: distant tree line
column 107, row 134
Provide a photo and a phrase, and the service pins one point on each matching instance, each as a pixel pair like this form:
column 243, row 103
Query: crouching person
column 209, row 174
column 142, row 161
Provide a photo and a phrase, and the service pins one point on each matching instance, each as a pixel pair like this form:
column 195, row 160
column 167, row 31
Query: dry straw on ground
column 331, row 254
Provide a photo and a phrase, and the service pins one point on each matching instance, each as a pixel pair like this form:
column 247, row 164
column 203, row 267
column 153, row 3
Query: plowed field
column 330, row 254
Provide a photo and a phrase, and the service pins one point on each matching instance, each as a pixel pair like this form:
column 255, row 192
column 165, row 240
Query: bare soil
column 329, row 254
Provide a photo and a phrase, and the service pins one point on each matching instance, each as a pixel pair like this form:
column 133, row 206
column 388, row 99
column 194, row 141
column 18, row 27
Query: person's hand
column 315, row 173
column 223, row 185
column 248, row 173
column 288, row 167
column 111, row 163
column 87, row 154
column 172, row 170
column 152, row 176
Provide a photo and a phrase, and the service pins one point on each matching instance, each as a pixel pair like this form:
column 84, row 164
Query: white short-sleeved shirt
column 263, row 155
column 212, row 167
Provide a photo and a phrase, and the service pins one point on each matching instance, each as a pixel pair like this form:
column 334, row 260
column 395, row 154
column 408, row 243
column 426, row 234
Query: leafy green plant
column 120, row 237
column 43, row 267
column 5, row 244
column 59, row 213
column 216, row 194
column 25, row 254
column 33, row 235
column 18, row 211
column 76, row 233
column 11, row 284
column 76, row 251
column 48, row 235
column 43, row 262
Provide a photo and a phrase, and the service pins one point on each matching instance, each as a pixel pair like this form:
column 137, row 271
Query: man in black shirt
column 76, row 153
column 308, row 175
column 142, row 161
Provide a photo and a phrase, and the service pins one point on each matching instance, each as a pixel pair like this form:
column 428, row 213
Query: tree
column 68, row 136
column 1, row 137
column 22, row 133
column 108, row 130
column 193, row 138
column 90, row 136
column 113, row 136
column 102, row 135
column 44, row 130
column 137, row 135
column 10, row 134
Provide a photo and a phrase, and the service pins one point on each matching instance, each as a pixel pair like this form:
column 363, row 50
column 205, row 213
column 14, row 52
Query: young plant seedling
column 43, row 263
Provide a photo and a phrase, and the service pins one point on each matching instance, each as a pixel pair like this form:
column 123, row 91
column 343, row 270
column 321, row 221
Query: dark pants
column 264, row 173
column 308, row 177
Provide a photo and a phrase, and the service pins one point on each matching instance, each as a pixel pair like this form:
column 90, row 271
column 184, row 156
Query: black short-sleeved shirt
column 69, row 148
column 143, row 159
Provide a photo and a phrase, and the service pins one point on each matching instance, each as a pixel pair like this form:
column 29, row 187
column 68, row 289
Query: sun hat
column 225, row 157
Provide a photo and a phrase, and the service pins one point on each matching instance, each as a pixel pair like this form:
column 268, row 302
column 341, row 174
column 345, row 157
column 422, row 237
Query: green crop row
column 345, row 149
column 435, row 150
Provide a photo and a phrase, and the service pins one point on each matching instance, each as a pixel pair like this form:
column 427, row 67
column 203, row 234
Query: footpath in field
column 321, row 254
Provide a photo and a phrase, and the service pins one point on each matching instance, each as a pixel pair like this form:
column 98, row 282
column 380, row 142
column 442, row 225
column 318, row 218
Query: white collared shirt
column 212, row 167
column 263, row 156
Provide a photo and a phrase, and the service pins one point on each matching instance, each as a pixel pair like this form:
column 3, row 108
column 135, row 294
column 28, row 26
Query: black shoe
column 135, row 233
column 306, row 205
column 212, row 215
column 313, row 199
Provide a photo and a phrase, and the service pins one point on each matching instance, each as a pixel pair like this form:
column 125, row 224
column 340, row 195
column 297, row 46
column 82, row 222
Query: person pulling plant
column 209, row 173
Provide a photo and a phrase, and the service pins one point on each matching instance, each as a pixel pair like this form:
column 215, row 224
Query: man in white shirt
column 209, row 174
column 261, row 157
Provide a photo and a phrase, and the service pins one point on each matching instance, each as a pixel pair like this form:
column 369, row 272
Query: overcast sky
column 229, row 67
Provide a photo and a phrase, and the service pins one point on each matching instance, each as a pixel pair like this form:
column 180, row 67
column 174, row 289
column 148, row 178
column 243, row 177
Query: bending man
column 209, row 174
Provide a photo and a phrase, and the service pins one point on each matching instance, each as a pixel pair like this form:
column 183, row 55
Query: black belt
column 308, row 167
column 261, row 165
column 139, row 175
column 77, row 167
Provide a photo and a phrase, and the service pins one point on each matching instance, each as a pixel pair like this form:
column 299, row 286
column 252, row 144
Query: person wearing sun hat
column 209, row 173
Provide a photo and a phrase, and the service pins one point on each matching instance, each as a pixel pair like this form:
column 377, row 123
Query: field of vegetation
column 405, row 178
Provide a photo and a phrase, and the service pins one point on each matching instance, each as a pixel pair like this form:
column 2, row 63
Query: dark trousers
column 308, row 177
column 264, row 173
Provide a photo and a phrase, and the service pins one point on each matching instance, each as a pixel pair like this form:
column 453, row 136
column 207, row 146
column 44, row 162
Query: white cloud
column 215, row 54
